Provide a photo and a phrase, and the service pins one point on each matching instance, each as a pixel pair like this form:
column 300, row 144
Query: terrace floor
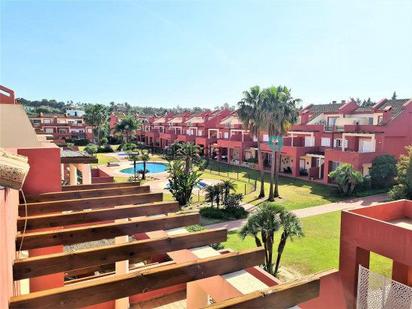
column 172, row 301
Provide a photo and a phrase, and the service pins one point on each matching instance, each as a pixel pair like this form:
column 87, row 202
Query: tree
column 134, row 157
column 227, row 185
column 251, row 113
column 291, row 228
column 346, row 178
column 96, row 115
column 181, row 184
column 403, row 187
column 394, row 96
column 383, row 171
column 212, row 193
column 127, row 126
column 188, row 152
column 280, row 113
column 144, row 156
column 265, row 221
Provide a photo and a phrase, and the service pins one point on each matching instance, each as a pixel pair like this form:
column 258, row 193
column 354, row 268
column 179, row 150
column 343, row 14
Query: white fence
column 378, row 292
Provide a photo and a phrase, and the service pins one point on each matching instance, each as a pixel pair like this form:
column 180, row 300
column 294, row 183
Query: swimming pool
column 151, row 167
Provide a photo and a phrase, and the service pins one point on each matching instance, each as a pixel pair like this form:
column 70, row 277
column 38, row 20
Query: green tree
column 144, row 156
column 251, row 113
column 213, row 193
column 181, row 184
column 96, row 115
column 188, row 152
column 394, row 96
column 133, row 156
column 265, row 221
column 291, row 228
column 227, row 185
column 127, row 126
column 346, row 178
column 383, row 171
column 280, row 113
column 403, row 187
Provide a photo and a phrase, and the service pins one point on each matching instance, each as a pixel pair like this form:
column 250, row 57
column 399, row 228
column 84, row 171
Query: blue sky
column 205, row 53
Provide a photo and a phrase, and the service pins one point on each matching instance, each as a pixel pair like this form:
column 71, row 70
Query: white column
column 86, row 174
column 73, row 174
column 122, row 267
column 291, row 141
column 62, row 171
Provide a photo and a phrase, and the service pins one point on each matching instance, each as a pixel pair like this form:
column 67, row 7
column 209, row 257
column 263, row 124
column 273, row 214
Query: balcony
column 154, row 133
column 236, row 141
column 356, row 158
column 186, row 138
column 168, row 135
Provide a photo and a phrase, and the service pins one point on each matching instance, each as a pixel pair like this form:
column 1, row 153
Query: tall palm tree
column 127, row 126
column 144, row 156
column 251, row 113
column 265, row 221
column 96, row 115
column 280, row 113
column 291, row 228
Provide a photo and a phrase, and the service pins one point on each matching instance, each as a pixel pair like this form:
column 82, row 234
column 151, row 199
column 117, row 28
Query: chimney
column 387, row 114
column 333, row 102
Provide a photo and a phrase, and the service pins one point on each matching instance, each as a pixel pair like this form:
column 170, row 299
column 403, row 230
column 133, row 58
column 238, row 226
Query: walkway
column 310, row 211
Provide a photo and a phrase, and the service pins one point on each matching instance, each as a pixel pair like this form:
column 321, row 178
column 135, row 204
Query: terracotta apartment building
column 62, row 126
column 325, row 136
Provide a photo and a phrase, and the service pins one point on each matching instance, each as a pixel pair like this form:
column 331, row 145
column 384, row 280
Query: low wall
column 99, row 176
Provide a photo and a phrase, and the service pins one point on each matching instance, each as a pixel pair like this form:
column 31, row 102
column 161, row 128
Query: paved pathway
column 310, row 211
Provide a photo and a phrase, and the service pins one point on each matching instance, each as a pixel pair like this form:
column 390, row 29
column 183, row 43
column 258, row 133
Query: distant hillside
column 54, row 106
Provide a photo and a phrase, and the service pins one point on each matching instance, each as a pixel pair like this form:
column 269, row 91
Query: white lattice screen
column 378, row 292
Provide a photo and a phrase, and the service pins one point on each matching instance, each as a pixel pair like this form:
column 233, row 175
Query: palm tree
column 189, row 153
column 96, row 115
column 127, row 126
column 280, row 114
column 210, row 194
column 250, row 112
column 265, row 221
column 227, row 185
column 291, row 228
column 144, row 156
column 133, row 156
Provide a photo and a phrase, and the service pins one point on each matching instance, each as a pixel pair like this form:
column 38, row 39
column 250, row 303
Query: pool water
column 151, row 167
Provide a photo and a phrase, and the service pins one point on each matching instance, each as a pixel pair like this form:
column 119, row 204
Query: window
column 325, row 142
column 265, row 137
column 309, row 141
column 370, row 120
column 47, row 121
column 338, row 143
column 226, row 135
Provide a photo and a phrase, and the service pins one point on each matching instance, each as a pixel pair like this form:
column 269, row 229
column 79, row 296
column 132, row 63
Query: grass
column 295, row 193
column 317, row 251
column 104, row 159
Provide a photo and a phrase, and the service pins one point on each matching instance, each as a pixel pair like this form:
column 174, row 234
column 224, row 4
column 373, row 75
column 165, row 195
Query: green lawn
column 317, row 251
column 295, row 193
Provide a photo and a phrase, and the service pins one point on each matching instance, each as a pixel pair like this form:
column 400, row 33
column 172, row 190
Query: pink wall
column 8, row 230
column 44, row 176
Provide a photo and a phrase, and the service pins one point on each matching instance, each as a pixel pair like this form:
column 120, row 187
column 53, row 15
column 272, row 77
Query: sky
column 205, row 53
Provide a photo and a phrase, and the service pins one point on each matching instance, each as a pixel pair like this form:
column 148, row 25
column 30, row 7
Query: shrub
column 383, row 171
column 104, row 149
column 213, row 213
column 403, row 187
column 103, row 141
column 79, row 142
column 346, row 178
column 127, row 147
column 227, row 213
column 217, row 246
column 236, row 212
column 233, row 200
column 91, row 149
